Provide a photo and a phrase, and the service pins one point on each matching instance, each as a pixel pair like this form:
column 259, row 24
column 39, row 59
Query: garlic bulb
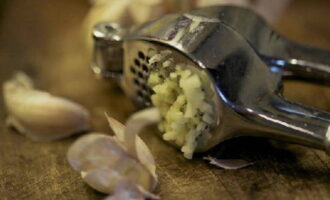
column 40, row 115
column 123, row 161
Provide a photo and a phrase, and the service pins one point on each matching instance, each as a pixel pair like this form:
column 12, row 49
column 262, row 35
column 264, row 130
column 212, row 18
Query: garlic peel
column 230, row 164
column 40, row 115
column 117, row 127
column 136, row 122
column 132, row 142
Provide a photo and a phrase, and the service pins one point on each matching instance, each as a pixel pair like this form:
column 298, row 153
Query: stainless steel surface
column 136, row 71
column 108, row 50
column 137, row 68
column 245, row 61
column 296, row 60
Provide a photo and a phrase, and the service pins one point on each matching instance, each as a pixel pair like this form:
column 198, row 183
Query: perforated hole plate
column 136, row 71
column 137, row 68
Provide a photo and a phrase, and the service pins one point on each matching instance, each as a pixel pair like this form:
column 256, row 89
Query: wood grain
column 45, row 39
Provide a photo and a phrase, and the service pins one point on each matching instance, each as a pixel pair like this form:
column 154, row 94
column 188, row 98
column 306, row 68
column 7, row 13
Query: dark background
column 45, row 39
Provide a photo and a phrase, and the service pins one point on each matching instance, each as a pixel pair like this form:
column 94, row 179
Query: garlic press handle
column 247, row 86
column 293, row 59
column 303, row 62
column 296, row 123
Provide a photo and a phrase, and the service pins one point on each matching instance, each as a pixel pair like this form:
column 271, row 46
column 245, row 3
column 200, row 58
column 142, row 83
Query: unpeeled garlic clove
column 123, row 161
column 103, row 162
column 40, row 115
column 127, row 190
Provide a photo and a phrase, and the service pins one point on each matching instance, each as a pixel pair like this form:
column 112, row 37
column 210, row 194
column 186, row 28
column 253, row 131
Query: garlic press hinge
column 108, row 50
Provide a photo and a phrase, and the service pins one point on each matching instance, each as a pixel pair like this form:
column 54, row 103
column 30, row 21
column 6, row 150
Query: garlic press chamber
column 242, row 61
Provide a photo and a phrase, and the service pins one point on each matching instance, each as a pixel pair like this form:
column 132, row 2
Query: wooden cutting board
column 45, row 39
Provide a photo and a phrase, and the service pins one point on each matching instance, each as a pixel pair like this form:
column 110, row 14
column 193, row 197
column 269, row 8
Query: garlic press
column 244, row 61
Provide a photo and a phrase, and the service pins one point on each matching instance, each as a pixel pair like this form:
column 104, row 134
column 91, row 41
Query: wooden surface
column 44, row 38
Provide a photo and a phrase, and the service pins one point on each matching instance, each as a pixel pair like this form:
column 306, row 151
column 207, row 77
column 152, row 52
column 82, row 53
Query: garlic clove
column 144, row 12
column 104, row 161
column 102, row 179
column 40, row 115
column 107, row 10
column 95, row 154
column 92, row 150
column 126, row 190
column 149, row 2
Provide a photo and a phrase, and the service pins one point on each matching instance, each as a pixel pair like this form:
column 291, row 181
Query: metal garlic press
column 245, row 62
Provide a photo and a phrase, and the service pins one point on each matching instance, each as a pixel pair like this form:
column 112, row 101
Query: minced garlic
column 184, row 100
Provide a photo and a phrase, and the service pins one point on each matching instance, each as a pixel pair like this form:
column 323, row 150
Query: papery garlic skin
column 141, row 150
column 229, row 164
column 40, row 115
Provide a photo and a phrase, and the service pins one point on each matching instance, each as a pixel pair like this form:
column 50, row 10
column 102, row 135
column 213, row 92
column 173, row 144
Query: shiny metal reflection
column 246, row 61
